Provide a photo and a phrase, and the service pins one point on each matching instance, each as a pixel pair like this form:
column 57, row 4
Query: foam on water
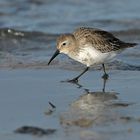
column 24, row 49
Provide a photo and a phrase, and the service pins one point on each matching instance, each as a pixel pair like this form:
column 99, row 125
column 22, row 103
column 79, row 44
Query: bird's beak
column 55, row 54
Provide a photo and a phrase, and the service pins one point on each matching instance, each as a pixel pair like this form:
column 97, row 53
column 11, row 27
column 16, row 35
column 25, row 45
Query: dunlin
column 90, row 46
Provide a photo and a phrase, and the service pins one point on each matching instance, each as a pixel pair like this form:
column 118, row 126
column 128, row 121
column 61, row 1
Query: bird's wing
column 101, row 40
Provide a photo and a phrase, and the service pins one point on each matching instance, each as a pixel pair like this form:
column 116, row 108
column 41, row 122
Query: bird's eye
column 64, row 44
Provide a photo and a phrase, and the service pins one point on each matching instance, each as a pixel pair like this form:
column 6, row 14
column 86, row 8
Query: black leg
column 75, row 80
column 105, row 76
column 104, row 84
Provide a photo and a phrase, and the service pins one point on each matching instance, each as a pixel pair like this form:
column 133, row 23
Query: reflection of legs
column 104, row 84
column 105, row 76
column 75, row 80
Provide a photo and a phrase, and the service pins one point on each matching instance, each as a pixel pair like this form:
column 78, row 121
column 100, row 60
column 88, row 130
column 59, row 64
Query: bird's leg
column 104, row 85
column 105, row 76
column 75, row 80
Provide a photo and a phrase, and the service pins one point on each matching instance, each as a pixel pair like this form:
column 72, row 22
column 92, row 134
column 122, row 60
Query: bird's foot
column 74, row 80
column 105, row 76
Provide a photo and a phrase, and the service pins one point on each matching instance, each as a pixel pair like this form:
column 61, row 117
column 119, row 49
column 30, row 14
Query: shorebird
column 90, row 46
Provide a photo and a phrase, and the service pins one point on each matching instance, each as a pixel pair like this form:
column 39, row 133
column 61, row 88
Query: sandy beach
column 36, row 104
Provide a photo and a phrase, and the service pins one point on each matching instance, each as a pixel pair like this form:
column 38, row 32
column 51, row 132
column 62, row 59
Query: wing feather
column 101, row 40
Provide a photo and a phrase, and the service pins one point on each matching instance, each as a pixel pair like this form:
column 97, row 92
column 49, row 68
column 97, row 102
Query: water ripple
column 34, row 49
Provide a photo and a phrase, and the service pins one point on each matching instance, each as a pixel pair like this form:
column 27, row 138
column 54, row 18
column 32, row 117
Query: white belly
column 90, row 56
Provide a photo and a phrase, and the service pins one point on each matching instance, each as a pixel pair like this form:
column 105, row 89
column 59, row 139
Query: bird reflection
column 90, row 108
column 81, row 86
column 73, row 82
column 93, row 108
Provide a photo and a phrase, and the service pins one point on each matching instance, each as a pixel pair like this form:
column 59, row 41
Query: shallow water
column 28, row 32
column 81, row 113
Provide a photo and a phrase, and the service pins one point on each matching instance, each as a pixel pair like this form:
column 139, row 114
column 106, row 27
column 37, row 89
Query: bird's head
column 65, row 44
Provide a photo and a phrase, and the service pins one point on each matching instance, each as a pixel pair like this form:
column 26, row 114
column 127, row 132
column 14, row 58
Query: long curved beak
column 54, row 55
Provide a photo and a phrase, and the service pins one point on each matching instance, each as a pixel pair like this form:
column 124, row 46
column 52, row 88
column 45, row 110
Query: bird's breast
column 90, row 56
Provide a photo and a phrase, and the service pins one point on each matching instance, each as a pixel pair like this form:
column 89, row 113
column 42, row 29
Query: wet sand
column 34, row 104
column 82, row 112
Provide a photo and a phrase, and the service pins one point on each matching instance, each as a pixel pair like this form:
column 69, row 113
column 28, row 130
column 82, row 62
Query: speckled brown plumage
column 100, row 39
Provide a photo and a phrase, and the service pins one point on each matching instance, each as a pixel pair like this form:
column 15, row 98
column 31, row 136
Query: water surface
column 28, row 32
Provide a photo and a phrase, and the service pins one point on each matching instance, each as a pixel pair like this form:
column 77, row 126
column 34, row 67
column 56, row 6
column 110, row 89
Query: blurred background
column 57, row 16
column 28, row 28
